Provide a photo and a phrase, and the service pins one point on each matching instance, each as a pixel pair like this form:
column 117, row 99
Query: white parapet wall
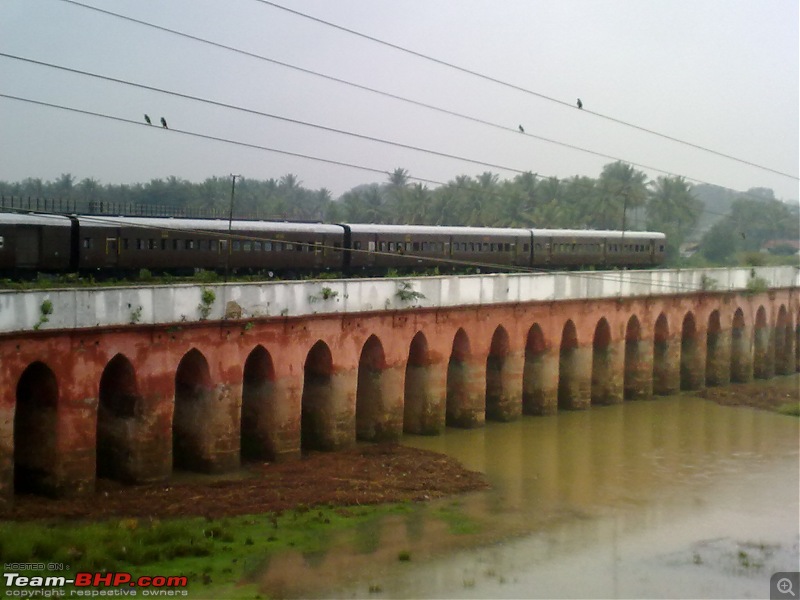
column 164, row 304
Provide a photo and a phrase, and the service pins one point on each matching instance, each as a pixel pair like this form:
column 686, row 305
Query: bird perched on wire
column 521, row 129
column 147, row 120
column 580, row 104
column 164, row 123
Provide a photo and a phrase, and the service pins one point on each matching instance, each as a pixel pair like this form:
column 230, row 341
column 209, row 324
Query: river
column 671, row 498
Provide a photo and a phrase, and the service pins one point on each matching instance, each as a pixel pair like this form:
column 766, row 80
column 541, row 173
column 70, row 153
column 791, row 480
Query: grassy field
column 220, row 558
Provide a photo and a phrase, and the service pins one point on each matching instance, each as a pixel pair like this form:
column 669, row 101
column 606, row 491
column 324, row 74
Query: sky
column 719, row 74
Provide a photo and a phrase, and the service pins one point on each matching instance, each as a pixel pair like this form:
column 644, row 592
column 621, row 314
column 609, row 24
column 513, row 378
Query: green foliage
column 406, row 293
column 325, row 293
column 45, row 310
column 136, row 315
column 207, row 298
column 756, row 285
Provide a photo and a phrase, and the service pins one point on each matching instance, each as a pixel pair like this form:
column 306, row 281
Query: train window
column 139, row 244
column 288, row 247
column 247, row 246
column 163, row 244
column 87, row 242
column 278, row 246
column 357, row 245
column 381, row 245
column 237, row 245
column 392, row 246
column 2, row 242
column 151, row 244
column 371, row 246
column 214, row 246
column 257, row 246
column 318, row 247
column 124, row 243
column 188, row 244
column 267, row 246
column 661, row 248
column 424, row 246
column 301, row 247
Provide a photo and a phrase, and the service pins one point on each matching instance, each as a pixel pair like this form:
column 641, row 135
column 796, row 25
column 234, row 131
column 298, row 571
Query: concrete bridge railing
column 161, row 304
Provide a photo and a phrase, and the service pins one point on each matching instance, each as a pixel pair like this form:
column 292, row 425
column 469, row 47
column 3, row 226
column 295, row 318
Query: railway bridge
column 130, row 383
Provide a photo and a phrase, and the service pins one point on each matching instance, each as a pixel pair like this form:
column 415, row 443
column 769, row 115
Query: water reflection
column 646, row 499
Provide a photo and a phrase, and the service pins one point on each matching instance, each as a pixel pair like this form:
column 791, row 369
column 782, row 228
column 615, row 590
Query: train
column 56, row 243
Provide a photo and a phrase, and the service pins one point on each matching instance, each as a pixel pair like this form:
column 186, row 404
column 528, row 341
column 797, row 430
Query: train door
column 28, row 247
column 112, row 251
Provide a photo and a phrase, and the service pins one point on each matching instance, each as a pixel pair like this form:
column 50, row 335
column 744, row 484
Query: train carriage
column 32, row 242
column 407, row 246
column 169, row 244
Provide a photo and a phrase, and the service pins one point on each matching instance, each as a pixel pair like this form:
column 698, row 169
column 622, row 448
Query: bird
column 521, row 129
column 580, row 104
column 147, row 120
column 164, row 123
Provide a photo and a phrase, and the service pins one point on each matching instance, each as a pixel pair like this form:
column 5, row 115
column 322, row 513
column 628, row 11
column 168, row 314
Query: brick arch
column 36, row 430
column 192, row 438
column 259, row 424
column 602, row 390
column 465, row 405
column 741, row 357
column 539, row 376
column 374, row 420
column 797, row 342
column 665, row 380
column 317, row 429
column 691, row 364
column 636, row 381
column 503, row 401
column 573, row 386
column 119, row 421
column 423, row 404
column 717, row 351
column 763, row 351
column 783, row 342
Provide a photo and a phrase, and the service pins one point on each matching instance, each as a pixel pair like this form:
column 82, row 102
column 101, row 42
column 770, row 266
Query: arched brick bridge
column 132, row 397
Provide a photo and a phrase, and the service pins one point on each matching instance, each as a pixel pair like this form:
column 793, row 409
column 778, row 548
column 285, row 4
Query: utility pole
column 230, row 226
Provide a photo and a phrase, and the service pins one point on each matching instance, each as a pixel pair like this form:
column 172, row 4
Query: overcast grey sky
column 718, row 73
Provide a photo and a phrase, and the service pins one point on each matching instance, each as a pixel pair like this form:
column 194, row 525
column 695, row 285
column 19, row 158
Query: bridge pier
column 127, row 401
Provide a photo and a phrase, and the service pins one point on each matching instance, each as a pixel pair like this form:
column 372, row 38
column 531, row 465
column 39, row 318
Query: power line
column 277, row 150
column 318, row 126
column 416, row 102
column 517, row 87
column 326, row 128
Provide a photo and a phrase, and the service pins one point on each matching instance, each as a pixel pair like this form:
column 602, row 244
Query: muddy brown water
column 671, row 498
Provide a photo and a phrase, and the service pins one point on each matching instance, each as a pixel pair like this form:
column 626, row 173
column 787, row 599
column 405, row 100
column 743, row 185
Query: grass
column 219, row 557
column 790, row 408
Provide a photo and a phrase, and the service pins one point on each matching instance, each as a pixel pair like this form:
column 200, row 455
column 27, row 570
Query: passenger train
column 38, row 242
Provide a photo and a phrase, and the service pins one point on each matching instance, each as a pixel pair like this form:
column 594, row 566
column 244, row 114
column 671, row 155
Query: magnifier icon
column 784, row 586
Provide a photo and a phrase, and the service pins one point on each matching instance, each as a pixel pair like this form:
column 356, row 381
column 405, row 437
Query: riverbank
column 365, row 474
column 779, row 394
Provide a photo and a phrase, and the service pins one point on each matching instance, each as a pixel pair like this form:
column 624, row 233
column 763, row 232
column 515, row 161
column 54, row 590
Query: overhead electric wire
column 517, row 87
column 416, row 102
column 313, row 125
column 284, row 152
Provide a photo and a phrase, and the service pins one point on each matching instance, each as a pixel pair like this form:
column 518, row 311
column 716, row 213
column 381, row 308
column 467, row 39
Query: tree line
column 621, row 197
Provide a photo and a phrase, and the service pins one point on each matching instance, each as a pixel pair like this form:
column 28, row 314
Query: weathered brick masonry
column 134, row 402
